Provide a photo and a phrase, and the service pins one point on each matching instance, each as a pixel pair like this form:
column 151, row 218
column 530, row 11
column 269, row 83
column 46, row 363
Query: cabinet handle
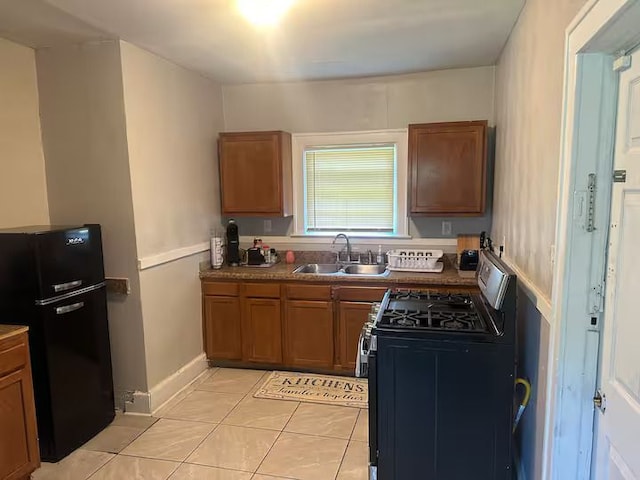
column 69, row 308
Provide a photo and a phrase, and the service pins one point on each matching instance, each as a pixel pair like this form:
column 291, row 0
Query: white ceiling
column 317, row 39
column 38, row 24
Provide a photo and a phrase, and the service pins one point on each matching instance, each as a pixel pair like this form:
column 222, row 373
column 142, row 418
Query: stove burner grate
column 424, row 310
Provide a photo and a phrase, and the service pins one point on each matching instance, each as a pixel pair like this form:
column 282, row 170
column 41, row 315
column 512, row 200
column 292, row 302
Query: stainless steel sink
column 338, row 269
column 319, row 268
column 365, row 270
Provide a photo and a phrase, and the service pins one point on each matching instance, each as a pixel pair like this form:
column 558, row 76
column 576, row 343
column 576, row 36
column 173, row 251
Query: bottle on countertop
column 216, row 250
column 233, row 244
column 380, row 257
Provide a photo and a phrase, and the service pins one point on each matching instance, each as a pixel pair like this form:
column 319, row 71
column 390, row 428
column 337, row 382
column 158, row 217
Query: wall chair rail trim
column 151, row 261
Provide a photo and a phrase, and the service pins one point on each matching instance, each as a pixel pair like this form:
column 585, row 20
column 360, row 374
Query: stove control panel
column 493, row 279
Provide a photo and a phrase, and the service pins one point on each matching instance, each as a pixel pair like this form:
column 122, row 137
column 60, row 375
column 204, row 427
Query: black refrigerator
column 52, row 280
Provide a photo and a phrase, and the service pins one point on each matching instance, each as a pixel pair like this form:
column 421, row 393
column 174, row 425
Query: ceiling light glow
column 264, row 13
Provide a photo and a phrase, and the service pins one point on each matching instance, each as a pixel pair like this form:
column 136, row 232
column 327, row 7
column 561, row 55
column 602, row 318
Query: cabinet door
column 222, row 328
column 19, row 454
column 447, row 168
column 309, row 333
column 252, row 168
column 351, row 317
column 261, row 330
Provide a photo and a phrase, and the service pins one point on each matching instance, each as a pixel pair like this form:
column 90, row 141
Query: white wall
column 173, row 118
column 529, row 81
column 172, row 309
column 85, row 144
column 362, row 103
column 365, row 104
column 23, row 189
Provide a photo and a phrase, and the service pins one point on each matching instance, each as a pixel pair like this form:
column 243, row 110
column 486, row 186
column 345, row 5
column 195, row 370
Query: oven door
column 373, row 414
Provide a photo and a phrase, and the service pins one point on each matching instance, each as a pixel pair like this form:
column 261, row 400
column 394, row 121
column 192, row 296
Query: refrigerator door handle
column 69, row 308
column 61, row 287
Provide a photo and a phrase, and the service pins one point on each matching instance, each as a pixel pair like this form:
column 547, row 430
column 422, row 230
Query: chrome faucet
column 348, row 246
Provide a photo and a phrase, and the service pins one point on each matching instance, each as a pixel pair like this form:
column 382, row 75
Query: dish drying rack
column 404, row 260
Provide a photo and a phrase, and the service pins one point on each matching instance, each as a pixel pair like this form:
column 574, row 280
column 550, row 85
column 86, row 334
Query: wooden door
column 447, row 168
column 618, row 445
column 252, row 170
column 261, row 330
column 19, row 454
column 351, row 317
column 222, row 328
column 309, row 333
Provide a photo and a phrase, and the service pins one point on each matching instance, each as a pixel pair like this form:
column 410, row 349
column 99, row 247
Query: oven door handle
column 361, row 363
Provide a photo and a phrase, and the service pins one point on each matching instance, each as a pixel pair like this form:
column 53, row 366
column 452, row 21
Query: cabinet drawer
column 224, row 289
column 308, row 292
column 261, row 290
column 361, row 294
column 13, row 354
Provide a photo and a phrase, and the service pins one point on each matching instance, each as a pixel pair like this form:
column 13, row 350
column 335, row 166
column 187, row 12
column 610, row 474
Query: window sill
column 359, row 236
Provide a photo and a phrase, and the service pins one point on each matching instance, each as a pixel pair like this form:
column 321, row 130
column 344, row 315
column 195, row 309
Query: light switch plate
column 446, row 228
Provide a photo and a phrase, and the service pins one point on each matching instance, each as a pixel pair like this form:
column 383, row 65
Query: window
column 350, row 188
column 350, row 182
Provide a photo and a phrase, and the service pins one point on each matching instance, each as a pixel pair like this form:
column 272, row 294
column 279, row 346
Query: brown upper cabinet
column 255, row 173
column 447, row 168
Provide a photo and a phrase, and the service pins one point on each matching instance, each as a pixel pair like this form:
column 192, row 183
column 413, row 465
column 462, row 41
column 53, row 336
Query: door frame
column 601, row 31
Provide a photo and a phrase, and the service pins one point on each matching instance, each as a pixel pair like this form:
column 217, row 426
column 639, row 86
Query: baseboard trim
column 173, row 384
column 138, row 403
column 145, row 403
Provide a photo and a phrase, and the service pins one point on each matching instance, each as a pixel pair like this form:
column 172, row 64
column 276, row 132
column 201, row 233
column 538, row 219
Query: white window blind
column 350, row 188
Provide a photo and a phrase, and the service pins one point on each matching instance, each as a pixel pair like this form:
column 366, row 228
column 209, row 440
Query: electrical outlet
column 267, row 226
column 118, row 286
column 446, row 228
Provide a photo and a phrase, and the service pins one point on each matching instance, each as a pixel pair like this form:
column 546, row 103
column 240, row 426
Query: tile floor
column 216, row 430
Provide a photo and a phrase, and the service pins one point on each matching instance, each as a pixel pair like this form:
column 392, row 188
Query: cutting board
column 468, row 242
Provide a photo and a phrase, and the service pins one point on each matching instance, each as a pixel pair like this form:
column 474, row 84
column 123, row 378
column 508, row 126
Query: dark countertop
column 8, row 331
column 284, row 272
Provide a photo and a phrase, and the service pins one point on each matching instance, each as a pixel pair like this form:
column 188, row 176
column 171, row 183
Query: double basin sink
column 340, row 269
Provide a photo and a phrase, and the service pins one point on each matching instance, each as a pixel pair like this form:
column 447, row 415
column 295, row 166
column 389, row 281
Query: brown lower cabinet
column 354, row 307
column 351, row 317
column 222, row 327
column 301, row 325
column 261, row 330
column 19, row 455
column 308, row 333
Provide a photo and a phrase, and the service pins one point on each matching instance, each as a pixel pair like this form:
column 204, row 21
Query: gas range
column 438, row 351
column 430, row 311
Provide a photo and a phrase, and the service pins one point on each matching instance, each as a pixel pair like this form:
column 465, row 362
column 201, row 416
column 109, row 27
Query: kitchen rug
column 307, row 387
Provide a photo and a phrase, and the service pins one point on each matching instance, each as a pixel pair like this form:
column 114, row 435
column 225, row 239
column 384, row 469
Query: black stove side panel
column 445, row 410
